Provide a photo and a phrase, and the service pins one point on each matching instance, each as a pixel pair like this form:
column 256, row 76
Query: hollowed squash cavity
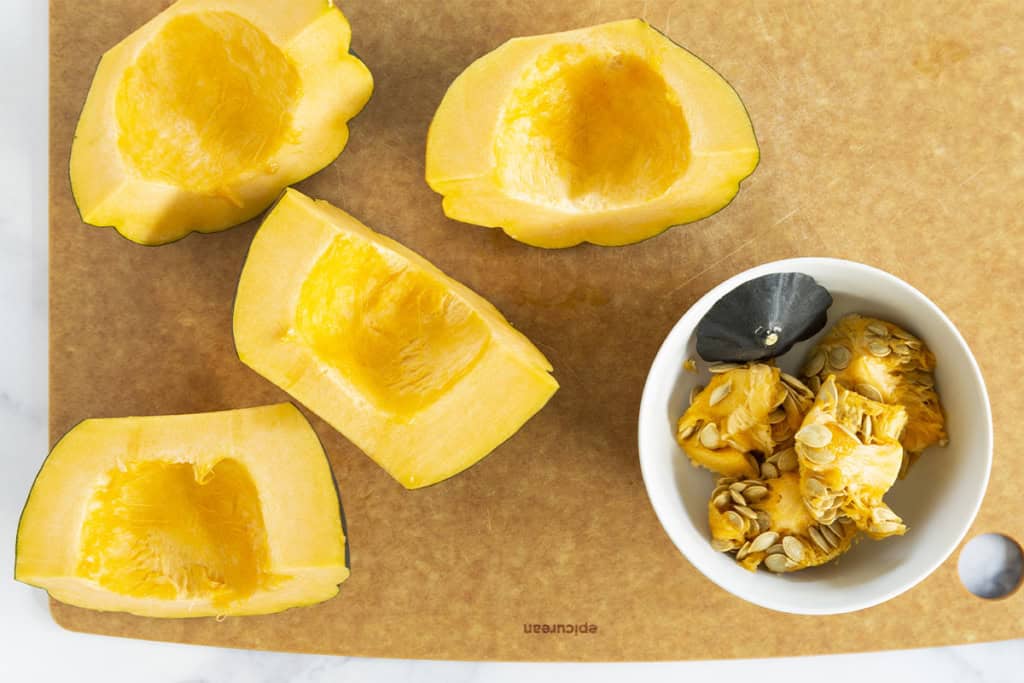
column 397, row 334
column 170, row 530
column 608, row 134
column 198, row 120
column 417, row 370
column 591, row 131
column 200, row 128
column 208, row 514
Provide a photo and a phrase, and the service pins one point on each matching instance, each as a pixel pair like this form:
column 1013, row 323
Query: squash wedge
column 608, row 134
column 416, row 369
column 226, row 513
column 197, row 120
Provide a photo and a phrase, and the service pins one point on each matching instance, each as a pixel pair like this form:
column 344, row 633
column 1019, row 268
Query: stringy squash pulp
column 186, row 515
column 420, row 372
column 608, row 134
column 198, row 119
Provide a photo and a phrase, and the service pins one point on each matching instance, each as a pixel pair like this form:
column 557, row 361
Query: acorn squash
column 608, row 134
column 225, row 513
column 416, row 369
column 197, row 120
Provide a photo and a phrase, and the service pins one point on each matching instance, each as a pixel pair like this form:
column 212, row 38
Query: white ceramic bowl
column 938, row 500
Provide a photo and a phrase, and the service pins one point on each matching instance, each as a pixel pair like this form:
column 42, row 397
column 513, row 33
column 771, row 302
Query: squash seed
column 879, row 349
column 764, row 520
column 756, row 493
column 777, row 563
column 815, row 365
column 722, row 500
column 709, row 436
column 788, row 461
column 719, row 393
column 867, row 428
column 831, row 537
column 769, row 471
column 879, row 329
column 764, row 540
column 734, row 520
column 885, row 527
column 816, row 488
column 738, row 486
column 721, row 545
column 901, row 348
column 839, row 357
column 796, row 385
column 746, row 512
column 737, row 498
column 818, row 538
column 814, row 384
column 869, row 391
column 849, row 432
column 743, row 551
column 776, row 417
column 687, row 431
column 900, row 334
column 719, row 368
column 694, row 392
column 819, row 456
column 831, row 393
column 814, row 435
column 794, row 548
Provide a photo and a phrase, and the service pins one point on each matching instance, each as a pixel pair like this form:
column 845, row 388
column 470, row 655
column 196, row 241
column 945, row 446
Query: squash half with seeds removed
column 197, row 120
column 225, row 513
column 608, row 134
column 416, row 369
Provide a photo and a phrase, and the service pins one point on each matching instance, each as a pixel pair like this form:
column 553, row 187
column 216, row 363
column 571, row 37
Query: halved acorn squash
column 416, row 369
column 197, row 120
column 608, row 134
column 225, row 513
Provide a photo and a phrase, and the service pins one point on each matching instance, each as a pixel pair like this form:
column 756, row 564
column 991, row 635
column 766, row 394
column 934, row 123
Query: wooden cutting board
column 890, row 134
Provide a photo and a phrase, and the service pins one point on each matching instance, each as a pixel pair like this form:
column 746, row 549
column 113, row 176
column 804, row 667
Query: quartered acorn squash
column 608, row 134
column 197, row 120
column 416, row 369
column 209, row 514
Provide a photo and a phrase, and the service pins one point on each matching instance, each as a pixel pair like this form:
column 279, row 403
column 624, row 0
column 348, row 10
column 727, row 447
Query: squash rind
column 461, row 163
column 505, row 386
column 305, row 539
column 336, row 85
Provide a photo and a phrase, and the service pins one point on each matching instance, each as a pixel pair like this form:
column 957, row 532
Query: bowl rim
column 663, row 361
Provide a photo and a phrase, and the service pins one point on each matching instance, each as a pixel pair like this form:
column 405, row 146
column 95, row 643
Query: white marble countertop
column 33, row 648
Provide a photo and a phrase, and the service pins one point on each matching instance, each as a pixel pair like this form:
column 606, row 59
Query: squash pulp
column 416, row 369
column 198, row 119
column 186, row 515
column 608, row 134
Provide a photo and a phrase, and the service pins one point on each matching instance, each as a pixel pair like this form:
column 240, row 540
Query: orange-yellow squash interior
column 416, row 369
column 186, row 515
column 202, row 116
column 608, row 134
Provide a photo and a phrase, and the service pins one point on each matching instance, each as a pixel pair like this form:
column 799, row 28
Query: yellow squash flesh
column 197, row 120
column 608, row 134
column 749, row 412
column 209, row 514
column 886, row 363
column 416, row 369
column 849, row 454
